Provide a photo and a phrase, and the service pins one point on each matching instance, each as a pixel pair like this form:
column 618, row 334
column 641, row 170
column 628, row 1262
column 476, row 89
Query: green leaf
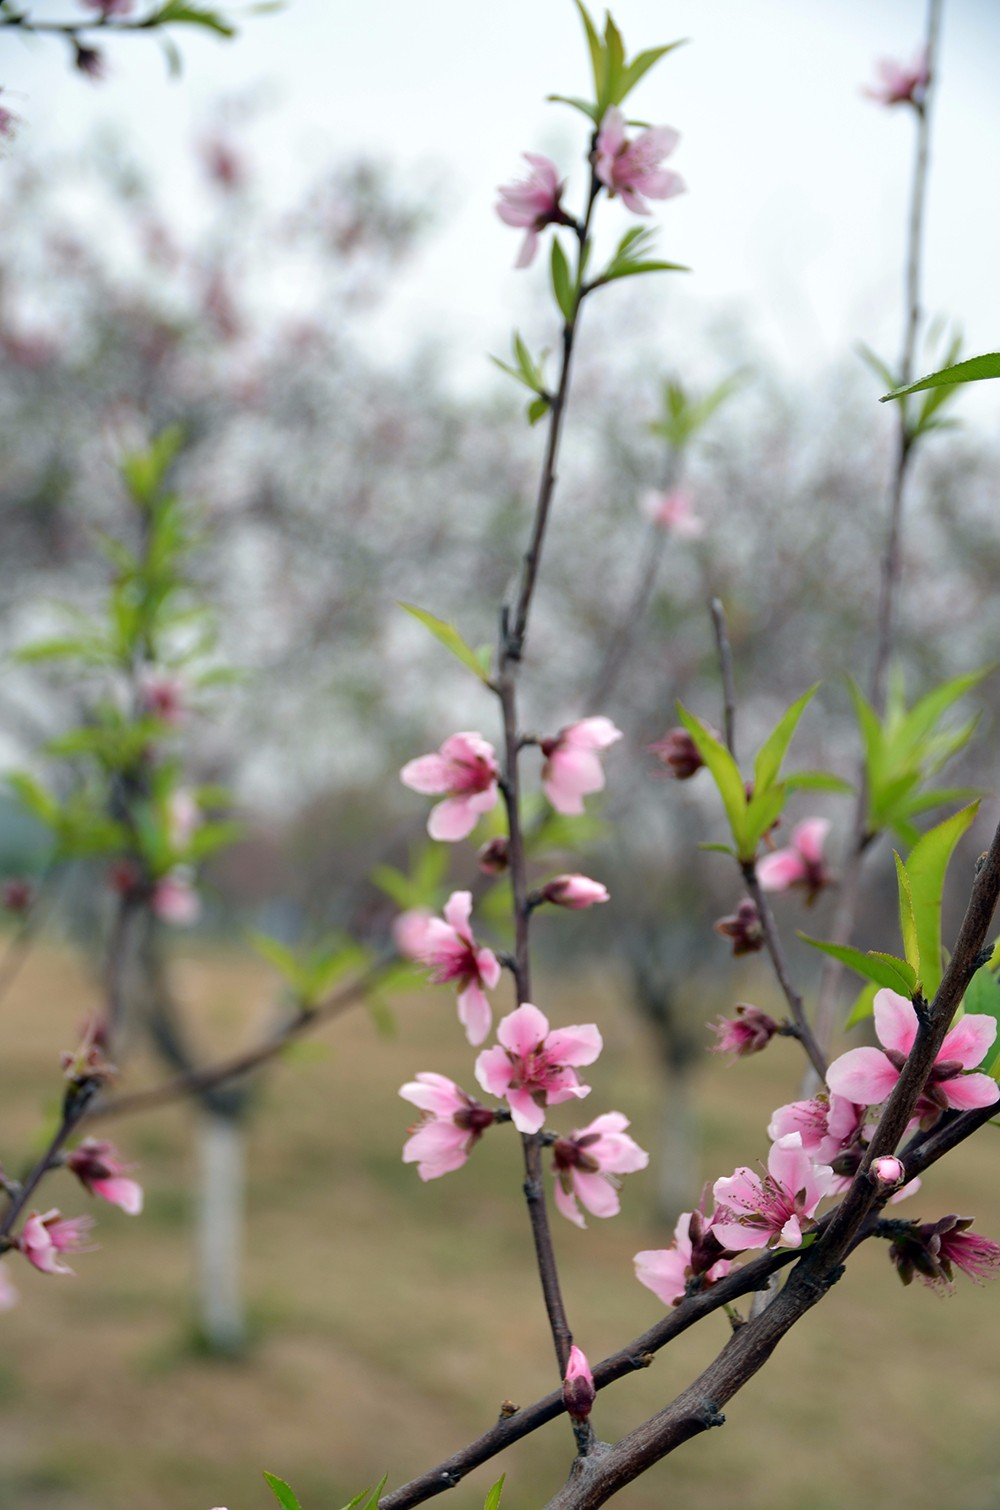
column 973, row 370
column 34, row 797
column 640, row 66
column 883, row 969
column 284, row 960
column 175, row 12
column 775, row 747
column 370, row 1498
column 926, row 866
column 590, row 111
column 537, row 409
column 597, row 61
column 763, row 809
column 450, row 639
column 283, row 1494
column 145, row 472
column 864, row 1005
column 881, row 369
column 492, row 1501
column 817, row 781
column 907, row 922
column 632, row 269
column 726, row 774
column 562, row 283
column 718, row 849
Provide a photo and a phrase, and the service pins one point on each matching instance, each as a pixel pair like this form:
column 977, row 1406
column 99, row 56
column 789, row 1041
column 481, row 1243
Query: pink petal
column 597, row 1194
column 791, row 1233
column 966, row 1092
column 494, row 1071
column 475, row 1014
column 529, row 246
column 566, row 1204
column 662, row 1270
column 809, row 837
column 457, row 912
column 969, row 1040
column 428, row 774
column 526, row 1114
column 864, row 1076
column 895, row 1021
column 120, row 1192
column 592, row 734
column 488, row 966
column 434, row 1093
column 737, row 1238
column 437, row 1148
column 789, row 1164
column 452, row 819
column 784, row 868
column 523, row 1030
column 575, row 1045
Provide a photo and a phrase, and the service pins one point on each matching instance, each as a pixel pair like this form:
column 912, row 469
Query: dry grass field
column 391, row 1319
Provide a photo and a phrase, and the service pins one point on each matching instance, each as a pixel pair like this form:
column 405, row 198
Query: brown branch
column 725, row 653
column 772, row 939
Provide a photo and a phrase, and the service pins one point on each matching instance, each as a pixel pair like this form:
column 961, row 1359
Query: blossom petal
column 452, row 819
column 428, row 774
column 524, row 1030
column 579, row 1044
column 895, row 1021
column 966, row 1092
column 864, row 1076
column 474, row 1013
column 969, row 1040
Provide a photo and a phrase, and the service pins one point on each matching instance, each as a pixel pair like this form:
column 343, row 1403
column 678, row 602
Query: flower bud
column 743, row 927
column 678, row 751
column 888, row 1170
column 747, row 1033
column 17, row 896
column 574, row 891
column 578, row 1385
column 494, row 858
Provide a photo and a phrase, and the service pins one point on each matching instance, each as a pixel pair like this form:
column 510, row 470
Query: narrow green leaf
column 816, row 781
column 719, row 849
column 633, row 269
column 596, row 49
column 763, row 809
column 34, row 797
column 175, row 12
column 881, row 369
column 284, row 960
column 974, row 370
column 928, row 711
column 640, row 66
column 864, row 1005
column 282, row 1493
column 536, row 410
column 775, row 747
column 590, row 111
column 884, row 970
column 726, row 774
column 907, row 922
column 449, row 638
column 562, row 283
column 492, row 1501
column 902, row 967
column 926, row 866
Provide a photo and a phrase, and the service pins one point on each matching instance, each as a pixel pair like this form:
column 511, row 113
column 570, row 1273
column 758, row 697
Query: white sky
column 797, row 184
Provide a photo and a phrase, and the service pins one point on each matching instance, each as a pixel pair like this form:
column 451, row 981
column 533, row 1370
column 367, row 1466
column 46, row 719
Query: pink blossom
column 801, row 864
column 674, row 513
column 183, row 817
column 494, row 857
column 933, row 1250
column 773, row 1210
column 452, row 1123
column 174, row 899
column 578, row 1385
column 449, row 951
column 632, row 169
column 667, row 1271
column 747, row 1033
column 109, row 8
column 901, row 83
column 868, row 1075
column 531, row 1067
column 465, row 768
column 532, row 202
column 99, row 1167
column 574, row 891
column 9, row 1296
column 572, row 768
column 409, row 930
column 162, row 696
column 587, row 1162
column 43, row 1238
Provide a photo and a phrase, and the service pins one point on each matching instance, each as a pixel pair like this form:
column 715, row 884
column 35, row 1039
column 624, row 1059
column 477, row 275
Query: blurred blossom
column 409, row 929
column 572, row 768
column 574, row 891
column 743, row 928
column 100, row 1169
column 678, row 751
column 174, row 898
column 674, row 512
column 532, row 202
column 494, row 857
column 44, row 1238
column 161, row 695
column 110, row 8
column 632, row 169
column 9, row 1296
column 801, row 864
column 901, row 83
column 17, row 895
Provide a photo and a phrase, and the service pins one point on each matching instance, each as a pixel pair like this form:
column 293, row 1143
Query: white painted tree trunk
column 220, row 1232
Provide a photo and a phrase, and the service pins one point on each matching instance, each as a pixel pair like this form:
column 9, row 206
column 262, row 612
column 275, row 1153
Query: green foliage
column 531, row 374
column 883, row 969
column 982, row 995
column 367, row 1499
column 283, row 1494
column 563, row 285
column 925, row 870
column 682, row 415
column 630, row 259
column 751, row 817
column 492, row 1501
column 177, row 13
column 614, row 77
column 972, row 370
column 311, row 974
column 476, row 661
column 908, row 747
column 423, row 886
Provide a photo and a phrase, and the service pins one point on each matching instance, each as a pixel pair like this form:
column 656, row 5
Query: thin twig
column 725, row 652
column 772, row 939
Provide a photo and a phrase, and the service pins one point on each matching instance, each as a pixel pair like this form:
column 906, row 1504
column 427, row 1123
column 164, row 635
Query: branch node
column 508, row 1409
column 710, row 1415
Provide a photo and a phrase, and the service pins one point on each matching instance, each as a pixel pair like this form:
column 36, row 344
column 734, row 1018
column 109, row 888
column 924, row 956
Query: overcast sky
column 797, row 185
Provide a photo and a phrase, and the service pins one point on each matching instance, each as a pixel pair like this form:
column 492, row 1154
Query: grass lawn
column 391, row 1319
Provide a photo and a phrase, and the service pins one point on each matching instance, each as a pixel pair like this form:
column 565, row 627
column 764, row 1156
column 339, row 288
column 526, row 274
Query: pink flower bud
column 574, row 891
column 679, row 753
column 743, row 927
column 747, row 1033
column 578, row 1385
column 494, row 858
column 888, row 1170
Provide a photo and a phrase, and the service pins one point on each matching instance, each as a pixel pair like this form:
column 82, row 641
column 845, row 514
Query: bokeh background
column 291, row 251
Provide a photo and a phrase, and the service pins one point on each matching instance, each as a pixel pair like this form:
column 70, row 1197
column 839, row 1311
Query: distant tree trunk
column 220, row 1226
column 678, row 1172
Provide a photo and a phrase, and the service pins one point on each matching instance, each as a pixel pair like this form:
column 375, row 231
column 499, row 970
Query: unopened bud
column 678, row 751
column 743, row 927
column 578, row 1385
column 574, row 892
column 747, row 1033
column 494, row 858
